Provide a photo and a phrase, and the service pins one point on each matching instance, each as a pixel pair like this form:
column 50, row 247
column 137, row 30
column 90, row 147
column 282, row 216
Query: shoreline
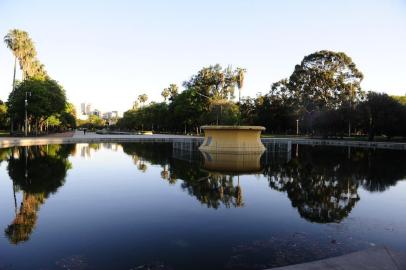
column 79, row 137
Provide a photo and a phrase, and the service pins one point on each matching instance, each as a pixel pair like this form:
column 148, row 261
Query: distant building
column 83, row 108
column 110, row 115
column 88, row 109
column 95, row 112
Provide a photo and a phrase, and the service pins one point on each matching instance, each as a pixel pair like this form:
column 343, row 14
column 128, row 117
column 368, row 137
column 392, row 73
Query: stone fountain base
column 232, row 139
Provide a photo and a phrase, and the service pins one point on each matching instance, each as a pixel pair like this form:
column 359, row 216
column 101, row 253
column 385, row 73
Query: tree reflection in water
column 37, row 171
column 215, row 189
column 322, row 182
column 211, row 189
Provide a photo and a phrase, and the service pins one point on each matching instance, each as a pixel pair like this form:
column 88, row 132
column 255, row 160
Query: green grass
column 4, row 133
column 352, row 138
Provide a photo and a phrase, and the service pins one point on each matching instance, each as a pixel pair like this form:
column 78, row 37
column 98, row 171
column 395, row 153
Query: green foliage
column 47, row 98
column 53, row 120
column 400, row 99
column 165, row 94
column 382, row 115
column 223, row 112
column 70, row 108
column 323, row 96
column 325, row 79
column 330, row 122
column 4, row 119
column 214, row 82
column 188, row 109
column 171, row 92
column 151, row 117
column 23, row 48
column 68, row 120
column 93, row 122
column 276, row 110
column 142, row 98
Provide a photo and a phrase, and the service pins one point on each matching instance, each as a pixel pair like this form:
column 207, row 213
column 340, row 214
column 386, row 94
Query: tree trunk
column 14, row 85
column 371, row 131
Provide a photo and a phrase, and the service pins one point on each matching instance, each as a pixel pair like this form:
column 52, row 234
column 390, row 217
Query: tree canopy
column 23, row 48
column 325, row 79
column 44, row 98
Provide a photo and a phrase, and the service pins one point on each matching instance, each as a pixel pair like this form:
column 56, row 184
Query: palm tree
column 240, row 84
column 27, row 59
column 165, row 93
column 173, row 90
column 240, row 81
column 142, row 98
column 23, row 48
column 135, row 105
column 37, row 70
column 16, row 41
column 13, row 41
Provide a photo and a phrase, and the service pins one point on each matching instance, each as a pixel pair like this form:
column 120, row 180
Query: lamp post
column 297, row 126
column 26, row 118
column 351, row 96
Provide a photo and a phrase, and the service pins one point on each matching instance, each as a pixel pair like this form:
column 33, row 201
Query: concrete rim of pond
column 233, row 128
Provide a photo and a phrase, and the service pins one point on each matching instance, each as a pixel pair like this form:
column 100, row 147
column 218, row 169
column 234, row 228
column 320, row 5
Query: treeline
column 207, row 99
column 322, row 97
column 37, row 103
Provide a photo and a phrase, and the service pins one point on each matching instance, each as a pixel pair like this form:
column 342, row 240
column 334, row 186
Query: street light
column 26, row 118
column 297, row 126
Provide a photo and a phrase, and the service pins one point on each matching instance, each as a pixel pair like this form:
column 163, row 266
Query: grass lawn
column 352, row 138
column 4, row 133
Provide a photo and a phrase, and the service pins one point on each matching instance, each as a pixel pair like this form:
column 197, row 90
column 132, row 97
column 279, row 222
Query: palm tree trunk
column 15, row 198
column 14, row 85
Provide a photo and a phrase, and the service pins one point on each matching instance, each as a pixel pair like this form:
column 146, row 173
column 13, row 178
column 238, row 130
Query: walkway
column 90, row 137
column 380, row 258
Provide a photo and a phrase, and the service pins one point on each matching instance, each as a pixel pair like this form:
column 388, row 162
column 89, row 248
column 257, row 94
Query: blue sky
column 109, row 52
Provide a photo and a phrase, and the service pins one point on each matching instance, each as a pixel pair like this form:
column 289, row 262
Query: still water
column 145, row 206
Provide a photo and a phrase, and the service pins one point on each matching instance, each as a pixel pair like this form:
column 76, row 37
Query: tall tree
column 142, row 98
column 240, row 76
column 382, row 115
column 24, row 51
column 47, row 98
column 173, row 91
column 165, row 93
column 325, row 79
column 214, row 82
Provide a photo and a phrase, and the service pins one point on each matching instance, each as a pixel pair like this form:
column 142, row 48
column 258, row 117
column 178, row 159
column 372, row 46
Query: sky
column 107, row 52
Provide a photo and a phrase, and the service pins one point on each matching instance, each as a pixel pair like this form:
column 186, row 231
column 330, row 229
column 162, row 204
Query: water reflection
column 322, row 183
column 232, row 163
column 37, row 171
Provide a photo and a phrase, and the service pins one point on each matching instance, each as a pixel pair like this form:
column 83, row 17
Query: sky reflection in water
column 123, row 206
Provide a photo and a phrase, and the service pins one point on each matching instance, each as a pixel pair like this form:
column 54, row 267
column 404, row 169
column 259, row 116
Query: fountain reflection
column 232, row 163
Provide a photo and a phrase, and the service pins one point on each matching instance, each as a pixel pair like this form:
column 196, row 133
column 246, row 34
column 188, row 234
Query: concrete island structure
column 232, row 139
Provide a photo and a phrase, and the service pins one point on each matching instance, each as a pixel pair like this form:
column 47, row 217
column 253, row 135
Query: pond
column 145, row 206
